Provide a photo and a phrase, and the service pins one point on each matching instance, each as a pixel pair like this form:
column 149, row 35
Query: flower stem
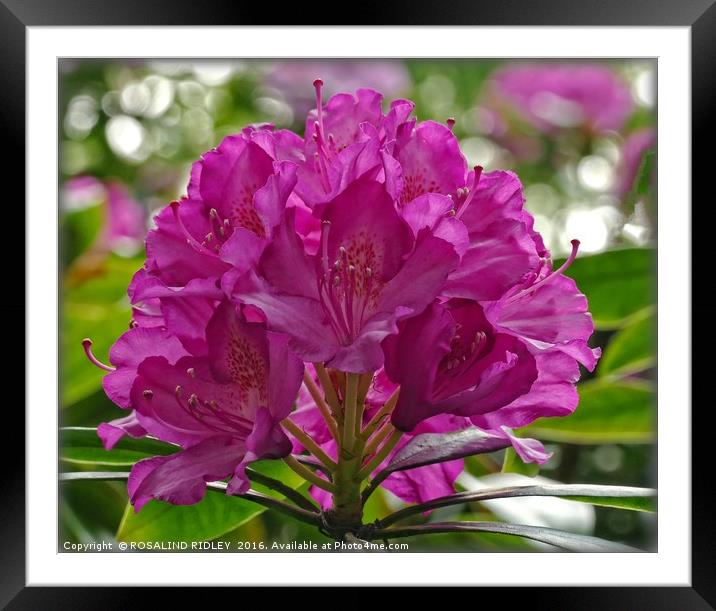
column 381, row 455
column 350, row 408
column 364, row 381
column 323, row 407
column 308, row 443
column 329, row 391
column 278, row 486
column 308, row 475
column 378, row 438
column 379, row 416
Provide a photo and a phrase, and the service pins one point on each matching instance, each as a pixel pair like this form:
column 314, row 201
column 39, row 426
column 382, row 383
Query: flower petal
column 180, row 479
column 301, row 318
column 231, row 174
column 431, row 160
column 129, row 351
column 111, row 432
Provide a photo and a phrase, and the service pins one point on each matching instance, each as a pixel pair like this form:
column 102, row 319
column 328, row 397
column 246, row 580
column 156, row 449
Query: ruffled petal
column 129, row 351
column 111, row 432
column 431, row 160
column 180, row 479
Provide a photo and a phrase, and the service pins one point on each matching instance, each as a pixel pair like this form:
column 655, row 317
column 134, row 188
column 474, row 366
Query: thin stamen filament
column 562, row 268
column 471, row 191
column 87, row 345
column 191, row 240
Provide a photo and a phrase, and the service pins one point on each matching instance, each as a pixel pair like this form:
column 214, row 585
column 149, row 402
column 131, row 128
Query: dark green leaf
column 631, row 349
column 608, row 412
column 214, row 516
column 81, row 445
column 617, row 283
column 558, row 538
column 622, row 497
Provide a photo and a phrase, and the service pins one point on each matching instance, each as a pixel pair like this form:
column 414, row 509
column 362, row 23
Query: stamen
column 191, row 240
column 190, row 372
column 470, row 190
column 324, row 247
column 87, row 345
column 321, row 156
column 148, row 394
column 318, row 86
column 562, row 268
column 450, row 123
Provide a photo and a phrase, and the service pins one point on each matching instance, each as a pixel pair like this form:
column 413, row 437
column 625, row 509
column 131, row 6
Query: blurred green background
column 130, row 130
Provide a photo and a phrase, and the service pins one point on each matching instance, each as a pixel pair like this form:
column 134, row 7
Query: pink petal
column 180, row 479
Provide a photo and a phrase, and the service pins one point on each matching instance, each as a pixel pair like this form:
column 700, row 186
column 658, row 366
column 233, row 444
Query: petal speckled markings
column 370, row 271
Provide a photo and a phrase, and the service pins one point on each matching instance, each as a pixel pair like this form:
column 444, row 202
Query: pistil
column 87, row 345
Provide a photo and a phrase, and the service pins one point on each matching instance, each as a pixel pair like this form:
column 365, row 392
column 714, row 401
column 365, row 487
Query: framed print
column 289, row 296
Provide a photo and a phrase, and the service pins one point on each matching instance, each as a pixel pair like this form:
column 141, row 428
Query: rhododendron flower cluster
column 564, row 95
column 327, row 299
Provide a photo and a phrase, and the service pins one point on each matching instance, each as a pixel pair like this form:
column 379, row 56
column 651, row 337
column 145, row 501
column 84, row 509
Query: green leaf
column 558, row 538
column 608, row 412
column 215, row 515
column 82, row 446
column 90, row 512
column 622, row 497
column 630, row 350
column 617, row 283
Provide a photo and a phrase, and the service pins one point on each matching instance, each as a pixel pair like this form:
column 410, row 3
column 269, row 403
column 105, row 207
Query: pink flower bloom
column 451, row 360
column 373, row 269
column 556, row 96
column 366, row 247
column 224, row 408
column 235, row 199
column 124, row 223
column 289, row 78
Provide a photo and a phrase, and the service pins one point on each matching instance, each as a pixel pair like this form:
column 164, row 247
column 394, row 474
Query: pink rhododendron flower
column 124, row 225
column 564, row 95
column 411, row 293
column 289, row 78
column 224, row 408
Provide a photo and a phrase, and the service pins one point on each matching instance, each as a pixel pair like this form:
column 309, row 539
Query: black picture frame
column 699, row 15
